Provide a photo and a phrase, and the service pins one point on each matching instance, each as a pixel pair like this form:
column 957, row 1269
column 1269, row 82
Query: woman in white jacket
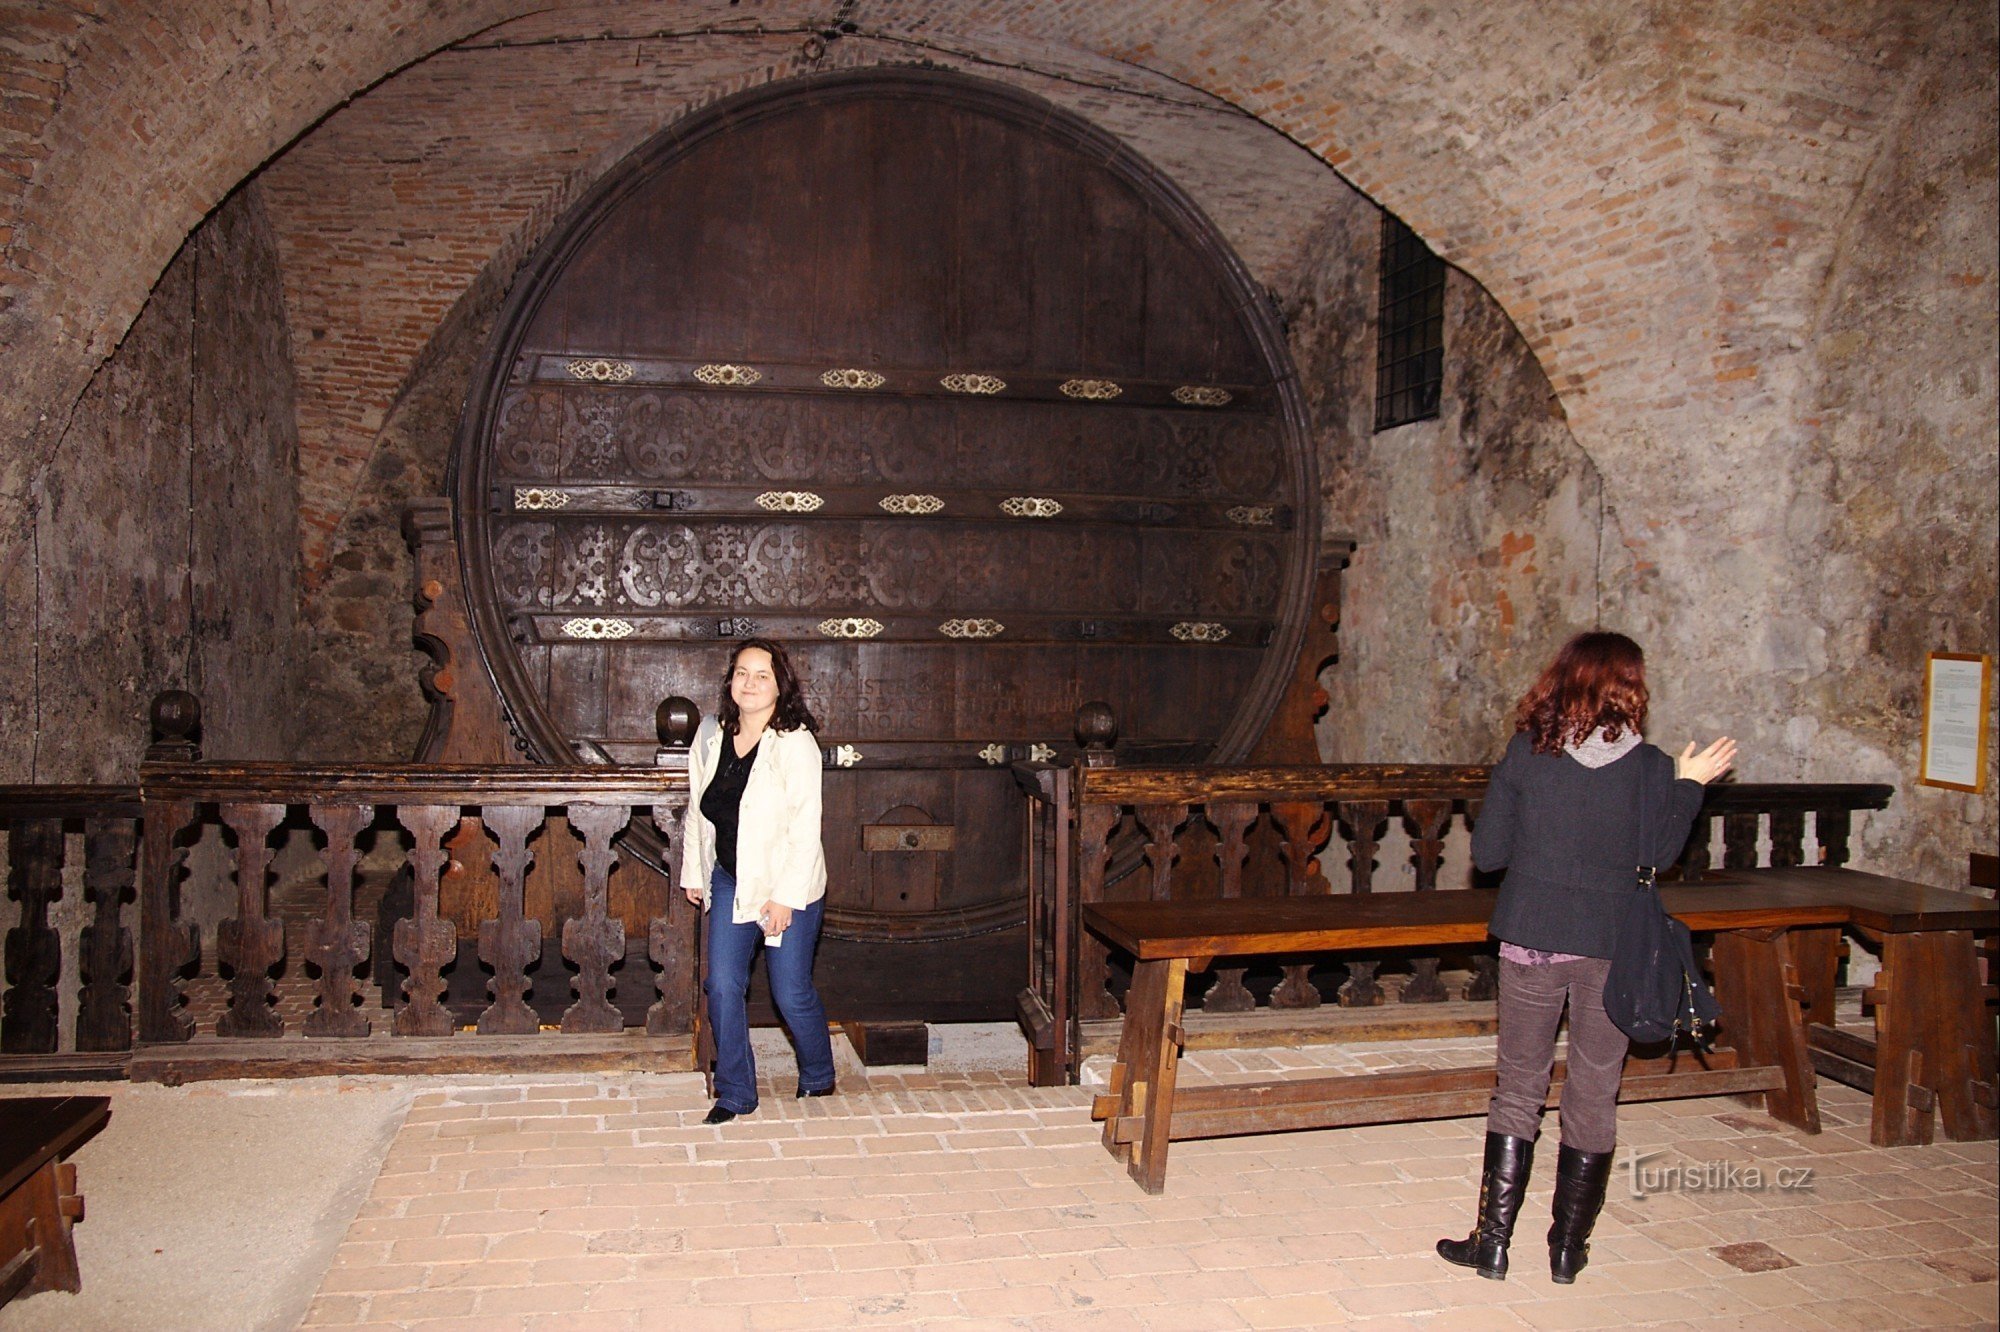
column 752, row 857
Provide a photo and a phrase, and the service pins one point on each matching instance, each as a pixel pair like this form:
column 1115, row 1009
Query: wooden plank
column 455, row 784
column 1459, row 1094
column 208, row 1060
column 66, row 1066
column 1849, row 1072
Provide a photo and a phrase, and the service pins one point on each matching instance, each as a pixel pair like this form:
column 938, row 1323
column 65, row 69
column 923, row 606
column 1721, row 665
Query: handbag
column 1654, row 991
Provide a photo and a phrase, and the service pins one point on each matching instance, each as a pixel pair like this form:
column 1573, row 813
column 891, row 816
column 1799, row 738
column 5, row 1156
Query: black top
column 1570, row 840
column 724, row 797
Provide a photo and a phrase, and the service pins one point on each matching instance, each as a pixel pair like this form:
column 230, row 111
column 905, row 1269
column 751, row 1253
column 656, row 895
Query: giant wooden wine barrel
column 951, row 392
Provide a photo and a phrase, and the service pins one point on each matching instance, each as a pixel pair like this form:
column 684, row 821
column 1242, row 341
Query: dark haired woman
column 753, row 859
column 1577, row 804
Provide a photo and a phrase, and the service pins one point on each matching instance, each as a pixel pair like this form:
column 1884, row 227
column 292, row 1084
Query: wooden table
column 38, row 1197
column 1777, row 936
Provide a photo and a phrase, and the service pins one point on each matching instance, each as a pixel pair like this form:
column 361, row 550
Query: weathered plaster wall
column 1478, row 531
column 1891, row 534
column 162, row 549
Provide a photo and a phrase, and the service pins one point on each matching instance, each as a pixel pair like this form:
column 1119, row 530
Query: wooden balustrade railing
column 40, row 822
column 1101, row 832
column 446, row 814
column 488, row 855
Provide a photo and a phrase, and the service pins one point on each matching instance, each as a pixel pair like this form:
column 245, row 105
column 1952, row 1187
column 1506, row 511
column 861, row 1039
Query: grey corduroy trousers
column 1530, row 1008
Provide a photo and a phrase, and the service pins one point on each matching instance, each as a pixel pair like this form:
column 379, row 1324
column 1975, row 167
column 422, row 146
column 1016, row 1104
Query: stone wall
column 1478, row 532
column 1750, row 245
column 162, row 549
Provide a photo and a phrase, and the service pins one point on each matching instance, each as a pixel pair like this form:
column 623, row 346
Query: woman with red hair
column 1576, row 805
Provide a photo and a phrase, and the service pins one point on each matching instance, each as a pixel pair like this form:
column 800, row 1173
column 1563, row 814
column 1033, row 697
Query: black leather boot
column 1581, row 1179
column 1503, row 1182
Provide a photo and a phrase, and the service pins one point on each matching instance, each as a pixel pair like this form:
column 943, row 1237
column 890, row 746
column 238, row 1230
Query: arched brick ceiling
column 1653, row 192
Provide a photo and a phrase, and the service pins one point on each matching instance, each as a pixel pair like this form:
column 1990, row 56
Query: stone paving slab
column 966, row 1199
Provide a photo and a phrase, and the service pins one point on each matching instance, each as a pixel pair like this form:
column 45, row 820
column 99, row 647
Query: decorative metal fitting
column 789, row 501
column 540, row 497
column 1028, row 506
column 1039, row 753
column 972, row 384
column 597, row 627
column 1090, row 390
column 852, row 379
column 910, row 504
column 995, row 753
column 727, row 376
column 854, row 626
column 600, row 371
column 1202, row 395
column 1252, row 515
column 846, row 756
column 1194, row 631
column 972, row 628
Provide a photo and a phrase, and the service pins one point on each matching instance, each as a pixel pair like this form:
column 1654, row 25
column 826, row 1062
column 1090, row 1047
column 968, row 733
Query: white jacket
column 778, row 853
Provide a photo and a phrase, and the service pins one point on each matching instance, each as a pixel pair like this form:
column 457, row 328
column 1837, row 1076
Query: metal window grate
column 1409, row 348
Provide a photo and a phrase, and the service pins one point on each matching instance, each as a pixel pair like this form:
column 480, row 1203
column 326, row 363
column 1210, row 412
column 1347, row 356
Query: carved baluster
column 1831, row 828
column 1364, row 820
column 1426, row 820
column 1739, row 840
column 1788, row 838
column 594, row 941
column 1304, row 826
column 670, row 936
column 510, row 943
column 251, row 944
column 1694, row 860
column 1232, row 820
column 1093, row 835
column 104, row 947
column 1485, row 981
column 34, row 951
column 336, row 943
column 670, row 940
column 1160, row 823
column 168, row 946
column 424, row 943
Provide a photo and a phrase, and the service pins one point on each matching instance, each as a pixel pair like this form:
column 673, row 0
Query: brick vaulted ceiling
column 1655, row 192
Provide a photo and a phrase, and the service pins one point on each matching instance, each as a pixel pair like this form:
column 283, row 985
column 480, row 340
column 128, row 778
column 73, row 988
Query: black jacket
column 1569, row 838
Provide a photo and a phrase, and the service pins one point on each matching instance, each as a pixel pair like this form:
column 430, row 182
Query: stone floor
column 959, row 1197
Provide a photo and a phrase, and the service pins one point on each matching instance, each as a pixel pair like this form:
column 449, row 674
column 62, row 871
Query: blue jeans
column 731, row 949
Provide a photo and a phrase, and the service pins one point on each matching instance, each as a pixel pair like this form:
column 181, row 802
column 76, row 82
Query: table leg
column 1933, row 1041
column 1148, row 1062
column 1816, row 953
column 1759, row 989
column 36, row 1251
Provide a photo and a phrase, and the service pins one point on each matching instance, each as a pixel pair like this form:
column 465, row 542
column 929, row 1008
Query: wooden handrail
column 410, row 783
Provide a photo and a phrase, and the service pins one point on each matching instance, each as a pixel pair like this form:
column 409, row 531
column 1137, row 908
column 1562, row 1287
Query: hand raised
column 1709, row 764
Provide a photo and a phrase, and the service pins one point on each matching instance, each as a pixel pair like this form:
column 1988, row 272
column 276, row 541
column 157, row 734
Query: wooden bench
column 38, row 1197
column 1776, row 940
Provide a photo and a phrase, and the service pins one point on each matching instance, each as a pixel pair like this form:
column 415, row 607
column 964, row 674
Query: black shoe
column 802, row 1093
column 1503, row 1183
column 1581, row 1180
column 718, row 1115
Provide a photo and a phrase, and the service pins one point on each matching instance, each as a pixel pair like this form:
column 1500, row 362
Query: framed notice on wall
column 1958, row 687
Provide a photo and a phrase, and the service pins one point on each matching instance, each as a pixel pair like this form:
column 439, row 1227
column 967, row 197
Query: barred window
column 1409, row 347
